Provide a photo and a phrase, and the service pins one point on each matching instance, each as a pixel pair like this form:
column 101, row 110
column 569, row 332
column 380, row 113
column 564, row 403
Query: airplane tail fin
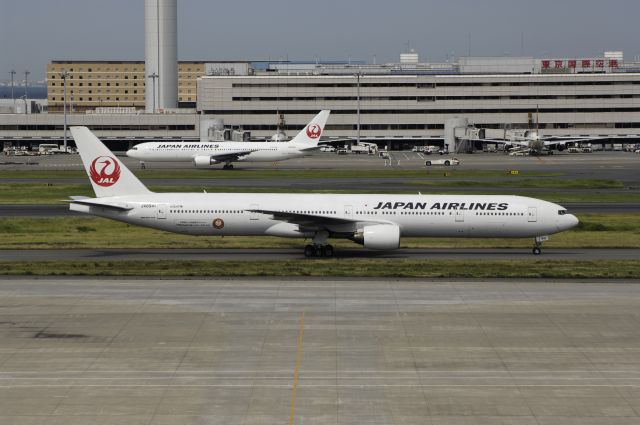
column 310, row 135
column 108, row 175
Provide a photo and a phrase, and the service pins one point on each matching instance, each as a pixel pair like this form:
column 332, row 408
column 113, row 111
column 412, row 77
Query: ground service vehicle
column 442, row 161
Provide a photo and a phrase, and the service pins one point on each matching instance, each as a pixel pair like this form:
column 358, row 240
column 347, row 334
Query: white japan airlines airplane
column 204, row 155
column 375, row 221
column 536, row 142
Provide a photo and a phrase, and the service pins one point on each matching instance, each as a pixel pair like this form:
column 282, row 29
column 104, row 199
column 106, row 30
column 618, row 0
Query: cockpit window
column 562, row 212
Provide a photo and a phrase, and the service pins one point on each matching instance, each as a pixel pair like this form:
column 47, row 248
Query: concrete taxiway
column 337, row 352
column 275, row 254
column 615, row 165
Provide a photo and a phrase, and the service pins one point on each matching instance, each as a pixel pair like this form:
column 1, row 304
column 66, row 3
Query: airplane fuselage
column 415, row 215
column 187, row 151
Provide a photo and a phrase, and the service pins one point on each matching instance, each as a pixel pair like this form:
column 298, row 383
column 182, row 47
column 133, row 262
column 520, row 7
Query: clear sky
column 34, row 32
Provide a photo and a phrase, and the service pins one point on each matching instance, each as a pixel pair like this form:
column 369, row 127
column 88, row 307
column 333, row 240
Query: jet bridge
column 459, row 135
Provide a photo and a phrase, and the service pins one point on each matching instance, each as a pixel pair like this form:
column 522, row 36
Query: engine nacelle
column 203, row 161
column 379, row 236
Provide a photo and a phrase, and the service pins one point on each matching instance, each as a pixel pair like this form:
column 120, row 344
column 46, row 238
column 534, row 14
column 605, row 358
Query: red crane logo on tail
column 104, row 171
column 314, row 131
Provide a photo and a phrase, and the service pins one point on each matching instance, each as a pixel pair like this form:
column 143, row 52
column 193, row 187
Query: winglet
column 310, row 135
column 108, row 176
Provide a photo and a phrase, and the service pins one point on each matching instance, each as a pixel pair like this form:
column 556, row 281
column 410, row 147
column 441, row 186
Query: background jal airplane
column 375, row 221
column 206, row 154
column 535, row 142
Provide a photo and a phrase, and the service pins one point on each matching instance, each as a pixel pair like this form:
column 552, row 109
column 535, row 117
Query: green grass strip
column 374, row 268
column 55, row 193
column 594, row 231
column 217, row 174
column 528, row 183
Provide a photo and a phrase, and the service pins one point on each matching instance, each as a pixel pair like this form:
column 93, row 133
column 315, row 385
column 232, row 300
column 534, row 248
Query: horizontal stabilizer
column 93, row 202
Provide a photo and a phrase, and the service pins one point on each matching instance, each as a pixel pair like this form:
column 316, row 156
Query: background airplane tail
column 310, row 135
column 108, row 175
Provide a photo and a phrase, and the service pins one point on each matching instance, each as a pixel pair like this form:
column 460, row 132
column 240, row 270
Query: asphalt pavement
column 77, row 351
column 268, row 254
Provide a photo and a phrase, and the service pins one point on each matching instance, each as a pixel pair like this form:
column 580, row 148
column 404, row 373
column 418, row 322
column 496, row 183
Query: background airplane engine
column 203, row 161
column 379, row 236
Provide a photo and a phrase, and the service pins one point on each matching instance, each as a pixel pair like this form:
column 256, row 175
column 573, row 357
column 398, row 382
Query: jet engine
column 203, row 161
column 378, row 236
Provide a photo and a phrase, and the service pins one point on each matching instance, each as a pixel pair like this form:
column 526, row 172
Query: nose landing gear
column 537, row 248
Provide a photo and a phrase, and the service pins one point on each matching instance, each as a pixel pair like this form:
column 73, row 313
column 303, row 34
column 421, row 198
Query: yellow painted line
column 297, row 369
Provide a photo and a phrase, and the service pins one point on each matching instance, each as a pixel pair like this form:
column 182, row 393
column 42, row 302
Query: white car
column 443, row 161
column 327, row 149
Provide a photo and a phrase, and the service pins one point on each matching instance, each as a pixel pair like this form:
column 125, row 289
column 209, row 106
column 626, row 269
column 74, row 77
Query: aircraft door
column 533, row 214
column 348, row 211
column 161, row 211
column 253, row 215
column 459, row 216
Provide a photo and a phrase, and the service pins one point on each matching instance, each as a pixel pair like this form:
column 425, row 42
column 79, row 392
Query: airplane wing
column 563, row 140
column 231, row 156
column 571, row 138
column 502, row 141
column 314, row 221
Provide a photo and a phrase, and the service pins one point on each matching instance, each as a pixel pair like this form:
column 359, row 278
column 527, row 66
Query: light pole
column 153, row 78
column 64, row 74
column 13, row 99
column 358, row 128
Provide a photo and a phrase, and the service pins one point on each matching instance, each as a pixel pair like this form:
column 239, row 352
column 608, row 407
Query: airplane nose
column 130, row 153
column 571, row 221
column 574, row 220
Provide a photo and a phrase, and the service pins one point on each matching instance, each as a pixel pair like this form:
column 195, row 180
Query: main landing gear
column 537, row 247
column 318, row 251
column 319, row 248
column 227, row 166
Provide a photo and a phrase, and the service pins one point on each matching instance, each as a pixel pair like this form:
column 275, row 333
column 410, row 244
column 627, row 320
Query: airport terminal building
column 398, row 104
column 411, row 106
